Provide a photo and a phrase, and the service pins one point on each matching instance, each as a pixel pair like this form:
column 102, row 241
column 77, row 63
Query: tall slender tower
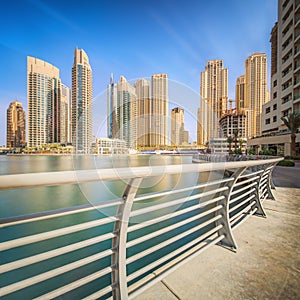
column 65, row 115
column 240, row 93
column 126, row 113
column 159, row 110
column 142, row 91
column 177, row 126
column 81, row 103
column 15, row 125
column 214, row 98
column 111, row 108
column 255, row 92
column 44, row 102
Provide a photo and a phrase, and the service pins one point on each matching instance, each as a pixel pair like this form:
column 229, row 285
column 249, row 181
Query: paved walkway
column 266, row 265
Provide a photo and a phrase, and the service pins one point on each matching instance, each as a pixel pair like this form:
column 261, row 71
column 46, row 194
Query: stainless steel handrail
column 195, row 221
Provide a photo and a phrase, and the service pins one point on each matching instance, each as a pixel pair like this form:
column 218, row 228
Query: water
column 27, row 201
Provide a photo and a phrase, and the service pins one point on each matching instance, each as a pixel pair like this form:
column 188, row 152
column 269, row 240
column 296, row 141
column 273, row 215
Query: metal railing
column 131, row 242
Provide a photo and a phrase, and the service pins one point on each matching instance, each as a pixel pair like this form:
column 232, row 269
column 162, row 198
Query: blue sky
column 131, row 38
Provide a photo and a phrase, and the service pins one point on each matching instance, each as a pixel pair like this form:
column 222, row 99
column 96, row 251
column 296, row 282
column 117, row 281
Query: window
column 267, row 121
column 275, row 119
column 268, row 109
column 274, row 106
column 274, row 95
column 285, row 113
column 275, row 83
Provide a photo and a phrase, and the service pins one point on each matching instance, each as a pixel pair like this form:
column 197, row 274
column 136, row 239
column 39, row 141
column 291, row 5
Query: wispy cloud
column 54, row 14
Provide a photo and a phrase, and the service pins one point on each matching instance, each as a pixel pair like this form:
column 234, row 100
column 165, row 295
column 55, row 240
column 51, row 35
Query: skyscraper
column 111, row 108
column 177, row 126
column 65, row 115
column 240, row 93
column 15, row 125
column 159, row 110
column 126, row 113
column 44, row 102
column 255, row 92
column 142, row 91
column 82, row 136
column 214, row 98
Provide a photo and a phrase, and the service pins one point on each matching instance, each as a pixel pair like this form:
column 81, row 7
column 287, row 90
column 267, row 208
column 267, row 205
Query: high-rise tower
column 126, row 113
column 111, row 108
column 159, row 110
column 177, row 126
column 214, row 98
column 240, row 93
column 65, row 115
column 81, row 103
column 15, row 125
column 255, row 92
column 142, row 91
column 44, row 102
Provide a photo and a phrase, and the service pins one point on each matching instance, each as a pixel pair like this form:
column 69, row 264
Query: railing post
column 229, row 241
column 119, row 274
column 258, row 203
column 270, row 185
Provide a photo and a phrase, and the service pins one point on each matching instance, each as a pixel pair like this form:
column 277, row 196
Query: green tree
column 235, row 137
column 229, row 141
column 292, row 122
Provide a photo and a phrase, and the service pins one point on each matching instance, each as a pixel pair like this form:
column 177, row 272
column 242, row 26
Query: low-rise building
column 110, row 146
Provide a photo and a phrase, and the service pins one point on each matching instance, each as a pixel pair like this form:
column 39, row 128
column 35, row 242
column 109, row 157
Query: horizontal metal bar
column 137, row 289
column 251, row 174
column 52, row 273
column 165, row 193
column 165, row 229
column 166, row 258
column 52, row 253
column 55, row 233
column 99, row 293
column 241, row 203
column 173, row 214
column 246, row 181
column 241, row 196
column 73, row 177
column 4, row 222
column 263, row 182
column 175, row 202
column 242, row 211
column 175, row 238
column 243, row 188
column 235, row 223
column 75, row 284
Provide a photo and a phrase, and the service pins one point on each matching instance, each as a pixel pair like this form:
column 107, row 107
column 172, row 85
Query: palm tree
column 235, row 137
column 292, row 122
column 241, row 142
column 229, row 141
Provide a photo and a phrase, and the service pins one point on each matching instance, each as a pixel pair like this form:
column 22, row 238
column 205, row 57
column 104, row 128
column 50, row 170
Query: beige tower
column 65, row 115
column 44, row 102
column 143, row 112
column 214, row 98
column 15, row 125
column 177, row 126
column 240, row 94
column 255, row 92
column 82, row 96
column 159, row 110
column 127, row 113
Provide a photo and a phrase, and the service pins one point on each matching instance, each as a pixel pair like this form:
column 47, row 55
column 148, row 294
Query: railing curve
column 148, row 236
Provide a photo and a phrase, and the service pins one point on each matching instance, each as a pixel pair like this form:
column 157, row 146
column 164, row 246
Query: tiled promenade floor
column 266, row 265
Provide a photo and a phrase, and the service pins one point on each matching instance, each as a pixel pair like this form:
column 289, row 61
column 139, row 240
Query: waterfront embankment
column 266, row 264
